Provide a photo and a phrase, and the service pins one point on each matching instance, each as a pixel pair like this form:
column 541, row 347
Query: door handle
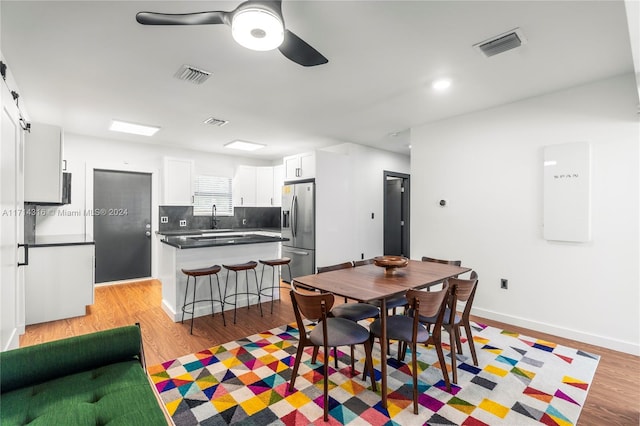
column 147, row 233
column 26, row 254
column 301, row 253
column 293, row 216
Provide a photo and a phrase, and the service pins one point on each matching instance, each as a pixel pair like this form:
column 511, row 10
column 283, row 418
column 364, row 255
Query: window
column 210, row 190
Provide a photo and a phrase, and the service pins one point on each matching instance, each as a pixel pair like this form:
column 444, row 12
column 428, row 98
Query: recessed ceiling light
column 244, row 145
column 133, row 128
column 441, row 84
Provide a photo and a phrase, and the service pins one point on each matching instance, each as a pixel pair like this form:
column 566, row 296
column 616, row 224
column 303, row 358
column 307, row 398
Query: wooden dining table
column 369, row 283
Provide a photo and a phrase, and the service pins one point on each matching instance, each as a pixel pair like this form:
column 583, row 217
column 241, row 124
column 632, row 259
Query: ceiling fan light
column 257, row 29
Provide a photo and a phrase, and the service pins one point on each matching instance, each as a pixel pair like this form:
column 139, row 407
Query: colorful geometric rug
column 518, row 381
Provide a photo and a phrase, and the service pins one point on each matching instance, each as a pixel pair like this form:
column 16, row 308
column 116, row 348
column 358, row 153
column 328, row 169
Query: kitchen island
column 193, row 250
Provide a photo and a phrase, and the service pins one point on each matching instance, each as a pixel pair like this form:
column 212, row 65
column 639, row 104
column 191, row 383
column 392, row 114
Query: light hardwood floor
column 613, row 399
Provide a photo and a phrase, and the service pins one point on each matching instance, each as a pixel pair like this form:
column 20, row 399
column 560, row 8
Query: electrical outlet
column 183, row 222
column 164, row 219
column 504, row 283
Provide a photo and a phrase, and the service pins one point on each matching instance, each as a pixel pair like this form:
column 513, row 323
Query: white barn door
column 11, row 223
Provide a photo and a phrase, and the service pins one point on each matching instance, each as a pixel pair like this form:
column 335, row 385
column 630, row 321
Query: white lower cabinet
column 58, row 282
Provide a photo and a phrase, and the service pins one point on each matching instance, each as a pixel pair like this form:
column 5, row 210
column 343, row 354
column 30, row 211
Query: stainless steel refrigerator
column 299, row 226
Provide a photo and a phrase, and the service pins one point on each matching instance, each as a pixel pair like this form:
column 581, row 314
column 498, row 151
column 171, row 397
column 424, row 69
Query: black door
column 396, row 214
column 122, row 225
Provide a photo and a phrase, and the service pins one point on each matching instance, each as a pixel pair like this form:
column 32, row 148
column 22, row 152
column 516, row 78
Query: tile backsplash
column 244, row 217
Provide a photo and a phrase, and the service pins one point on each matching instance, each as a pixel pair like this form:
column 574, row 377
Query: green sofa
column 94, row 379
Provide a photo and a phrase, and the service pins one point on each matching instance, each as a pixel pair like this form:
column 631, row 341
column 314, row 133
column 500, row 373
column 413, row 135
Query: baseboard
column 593, row 339
column 170, row 312
column 130, row 281
column 14, row 341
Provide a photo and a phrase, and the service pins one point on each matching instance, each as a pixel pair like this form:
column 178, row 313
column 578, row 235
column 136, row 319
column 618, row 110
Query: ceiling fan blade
column 297, row 50
column 198, row 18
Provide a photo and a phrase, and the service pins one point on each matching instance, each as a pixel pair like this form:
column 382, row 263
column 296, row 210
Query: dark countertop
column 189, row 242
column 59, row 240
column 196, row 232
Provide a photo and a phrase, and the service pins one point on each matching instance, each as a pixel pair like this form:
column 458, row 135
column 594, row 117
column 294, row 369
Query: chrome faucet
column 214, row 219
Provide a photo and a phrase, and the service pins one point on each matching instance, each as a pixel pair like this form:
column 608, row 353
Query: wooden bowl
column 390, row 263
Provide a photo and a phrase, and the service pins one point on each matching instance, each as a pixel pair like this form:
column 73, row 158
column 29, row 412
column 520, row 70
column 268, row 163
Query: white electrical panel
column 567, row 192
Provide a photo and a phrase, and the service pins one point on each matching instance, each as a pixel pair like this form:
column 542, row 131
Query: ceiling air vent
column 501, row 43
column 215, row 121
column 192, row 74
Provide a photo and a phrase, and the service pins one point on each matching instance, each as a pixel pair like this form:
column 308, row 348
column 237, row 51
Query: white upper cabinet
column 177, row 182
column 244, row 187
column 43, row 164
column 300, row 166
column 257, row 186
column 264, row 186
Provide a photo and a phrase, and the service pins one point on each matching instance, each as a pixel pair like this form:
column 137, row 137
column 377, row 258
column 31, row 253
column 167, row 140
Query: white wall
column 489, row 166
column 334, row 221
column 361, row 173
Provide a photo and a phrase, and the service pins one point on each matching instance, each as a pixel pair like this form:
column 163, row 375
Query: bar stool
column 211, row 270
column 251, row 265
column 273, row 263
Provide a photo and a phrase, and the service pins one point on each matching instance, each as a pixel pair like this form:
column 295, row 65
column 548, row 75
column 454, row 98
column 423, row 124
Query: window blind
column 210, row 190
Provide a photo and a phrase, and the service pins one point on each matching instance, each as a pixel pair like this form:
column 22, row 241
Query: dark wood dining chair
column 328, row 332
column 447, row 262
column 353, row 311
column 344, row 265
column 363, row 262
column 409, row 329
column 444, row 261
column 463, row 291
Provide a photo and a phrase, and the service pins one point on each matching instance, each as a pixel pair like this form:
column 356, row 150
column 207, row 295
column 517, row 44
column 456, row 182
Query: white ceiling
column 80, row 64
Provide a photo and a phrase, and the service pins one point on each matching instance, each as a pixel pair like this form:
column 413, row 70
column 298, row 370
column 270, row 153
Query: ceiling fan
column 257, row 25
